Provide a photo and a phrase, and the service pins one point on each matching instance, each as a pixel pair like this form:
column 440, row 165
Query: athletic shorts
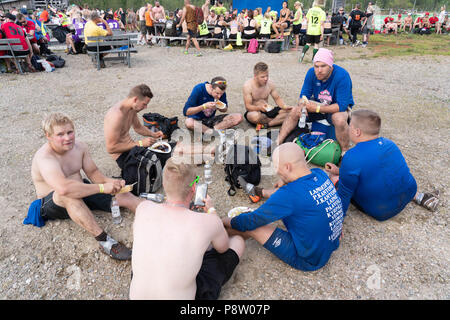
column 100, row 49
column 215, row 271
column 312, row 39
column 327, row 31
column 296, row 28
column 150, row 30
column 233, row 36
column 281, row 245
column 142, row 27
column 51, row 211
column 218, row 35
column 18, row 53
column 264, row 36
column 249, row 36
column 271, row 114
column 192, row 34
column 211, row 122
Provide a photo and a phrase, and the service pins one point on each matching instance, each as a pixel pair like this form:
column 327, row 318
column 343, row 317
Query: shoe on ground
column 261, row 126
column 102, row 64
column 115, row 249
column 430, row 200
column 199, row 54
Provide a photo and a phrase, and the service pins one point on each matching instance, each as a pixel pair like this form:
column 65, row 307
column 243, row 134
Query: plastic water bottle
column 246, row 186
column 156, row 197
column 208, row 173
column 302, row 120
column 115, row 211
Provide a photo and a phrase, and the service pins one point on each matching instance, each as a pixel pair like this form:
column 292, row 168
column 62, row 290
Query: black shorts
column 271, row 114
column 215, row 271
column 192, row 34
column 327, row 31
column 51, row 211
column 218, row 35
column 248, row 36
column 312, row 39
column 211, row 122
column 150, row 30
column 233, row 36
column 19, row 53
column 264, row 36
column 296, row 28
column 94, row 48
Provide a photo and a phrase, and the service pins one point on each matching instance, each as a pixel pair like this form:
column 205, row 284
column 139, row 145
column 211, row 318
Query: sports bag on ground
column 143, row 167
column 160, row 122
column 253, row 46
column 319, row 151
column 273, row 47
column 241, row 161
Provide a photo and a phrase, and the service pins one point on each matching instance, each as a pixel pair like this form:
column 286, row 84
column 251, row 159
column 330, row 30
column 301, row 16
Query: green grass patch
column 409, row 45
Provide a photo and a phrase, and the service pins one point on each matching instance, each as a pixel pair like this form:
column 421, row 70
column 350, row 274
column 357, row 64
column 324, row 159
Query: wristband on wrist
column 204, row 107
column 101, row 187
column 140, row 143
column 211, row 209
column 318, row 109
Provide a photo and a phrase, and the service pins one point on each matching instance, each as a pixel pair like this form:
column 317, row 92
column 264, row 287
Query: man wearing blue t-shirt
column 200, row 108
column 309, row 207
column 328, row 87
column 374, row 175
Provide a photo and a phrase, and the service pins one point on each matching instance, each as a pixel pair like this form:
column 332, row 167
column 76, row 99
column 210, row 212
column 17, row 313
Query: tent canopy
column 253, row 4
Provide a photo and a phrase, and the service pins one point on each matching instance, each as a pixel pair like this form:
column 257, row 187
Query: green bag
column 238, row 39
column 328, row 151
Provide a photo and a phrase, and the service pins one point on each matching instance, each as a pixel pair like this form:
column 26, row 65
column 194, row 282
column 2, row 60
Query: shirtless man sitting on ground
column 56, row 174
column 123, row 115
column 171, row 259
column 256, row 97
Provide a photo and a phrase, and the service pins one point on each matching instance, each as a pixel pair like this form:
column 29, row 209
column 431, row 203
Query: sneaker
column 430, row 200
column 115, row 249
column 185, row 52
column 261, row 126
column 199, row 54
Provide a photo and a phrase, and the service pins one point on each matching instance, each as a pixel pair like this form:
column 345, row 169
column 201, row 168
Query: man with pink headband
column 328, row 88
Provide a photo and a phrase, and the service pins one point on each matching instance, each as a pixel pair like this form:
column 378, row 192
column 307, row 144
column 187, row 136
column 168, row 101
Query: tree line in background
column 171, row 5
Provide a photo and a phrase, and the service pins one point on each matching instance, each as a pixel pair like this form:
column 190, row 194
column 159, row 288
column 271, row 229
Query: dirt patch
column 409, row 253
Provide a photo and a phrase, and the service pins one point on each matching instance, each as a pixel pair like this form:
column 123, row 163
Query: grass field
column 409, row 44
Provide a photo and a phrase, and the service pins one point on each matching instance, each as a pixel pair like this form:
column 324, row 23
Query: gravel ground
column 406, row 257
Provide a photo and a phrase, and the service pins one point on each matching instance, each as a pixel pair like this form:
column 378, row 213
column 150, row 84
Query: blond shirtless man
column 123, row 115
column 172, row 258
column 56, row 174
column 256, row 93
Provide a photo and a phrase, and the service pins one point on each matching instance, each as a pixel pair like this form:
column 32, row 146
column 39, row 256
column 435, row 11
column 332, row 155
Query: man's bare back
column 168, row 248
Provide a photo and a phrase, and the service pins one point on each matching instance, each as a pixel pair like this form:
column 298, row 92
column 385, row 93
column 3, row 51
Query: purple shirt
column 113, row 24
column 79, row 29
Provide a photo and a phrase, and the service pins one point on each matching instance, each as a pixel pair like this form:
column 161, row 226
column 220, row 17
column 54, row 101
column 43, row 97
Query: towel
column 34, row 214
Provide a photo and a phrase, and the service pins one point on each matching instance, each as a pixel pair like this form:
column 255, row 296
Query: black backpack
column 171, row 28
column 274, row 47
column 241, row 161
column 166, row 125
column 144, row 167
column 56, row 60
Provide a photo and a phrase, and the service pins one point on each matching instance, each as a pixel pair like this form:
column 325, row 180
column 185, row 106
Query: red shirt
column 433, row 20
column 30, row 27
column 13, row 31
column 2, row 53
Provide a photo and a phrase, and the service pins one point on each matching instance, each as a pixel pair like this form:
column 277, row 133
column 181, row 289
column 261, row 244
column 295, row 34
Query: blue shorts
column 281, row 245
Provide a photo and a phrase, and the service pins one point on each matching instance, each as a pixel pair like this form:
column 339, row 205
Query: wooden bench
column 11, row 45
column 121, row 45
column 221, row 41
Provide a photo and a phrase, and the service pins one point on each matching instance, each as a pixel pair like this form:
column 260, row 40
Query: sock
column 314, row 52
column 418, row 198
column 101, row 237
column 305, row 48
